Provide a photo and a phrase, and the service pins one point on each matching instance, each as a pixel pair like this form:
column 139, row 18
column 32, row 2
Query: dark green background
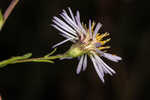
column 28, row 30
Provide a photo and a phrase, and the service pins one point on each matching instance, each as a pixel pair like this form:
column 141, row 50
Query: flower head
column 87, row 42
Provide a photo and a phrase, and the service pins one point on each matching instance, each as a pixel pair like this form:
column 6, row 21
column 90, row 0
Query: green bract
column 75, row 51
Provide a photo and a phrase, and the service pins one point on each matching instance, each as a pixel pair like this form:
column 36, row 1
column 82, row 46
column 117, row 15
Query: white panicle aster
column 87, row 41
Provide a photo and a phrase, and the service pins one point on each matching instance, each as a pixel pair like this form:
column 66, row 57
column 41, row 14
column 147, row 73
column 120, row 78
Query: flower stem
column 26, row 58
column 8, row 11
column 41, row 59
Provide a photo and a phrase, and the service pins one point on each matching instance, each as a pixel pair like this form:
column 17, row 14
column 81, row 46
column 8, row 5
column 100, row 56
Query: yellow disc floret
column 99, row 39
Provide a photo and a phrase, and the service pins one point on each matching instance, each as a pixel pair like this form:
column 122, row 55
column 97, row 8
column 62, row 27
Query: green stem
column 41, row 59
column 26, row 58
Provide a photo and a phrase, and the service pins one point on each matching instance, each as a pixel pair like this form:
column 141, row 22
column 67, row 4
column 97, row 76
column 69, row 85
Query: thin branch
column 9, row 10
column 41, row 59
column 26, row 58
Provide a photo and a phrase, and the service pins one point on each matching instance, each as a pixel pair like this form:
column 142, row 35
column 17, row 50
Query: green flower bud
column 75, row 51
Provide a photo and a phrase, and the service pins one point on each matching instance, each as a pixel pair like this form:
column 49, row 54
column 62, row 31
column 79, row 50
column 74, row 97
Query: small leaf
column 1, row 20
column 50, row 53
column 27, row 55
column 13, row 59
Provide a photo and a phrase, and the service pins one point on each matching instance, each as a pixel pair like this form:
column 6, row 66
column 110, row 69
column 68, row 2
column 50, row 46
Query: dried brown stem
column 9, row 10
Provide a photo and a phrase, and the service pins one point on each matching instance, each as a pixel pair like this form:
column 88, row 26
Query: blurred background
column 28, row 29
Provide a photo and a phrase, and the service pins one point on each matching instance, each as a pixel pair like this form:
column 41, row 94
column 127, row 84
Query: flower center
column 97, row 43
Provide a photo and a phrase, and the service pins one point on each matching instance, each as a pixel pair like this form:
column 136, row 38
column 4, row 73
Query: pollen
column 105, row 47
column 92, row 27
column 101, row 36
column 105, row 41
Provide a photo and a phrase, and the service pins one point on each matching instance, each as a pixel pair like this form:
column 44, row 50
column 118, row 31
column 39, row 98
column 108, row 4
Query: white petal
column 66, row 36
column 99, row 65
column 60, row 43
column 112, row 57
column 97, row 29
column 80, row 65
column 97, row 69
column 100, row 52
column 69, row 21
column 90, row 31
column 64, row 26
column 85, row 63
column 64, row 32
column 72, row 16
column 106, row 68
column 79, row 22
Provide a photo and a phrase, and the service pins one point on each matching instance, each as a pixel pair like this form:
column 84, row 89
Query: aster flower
column 87, row 41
